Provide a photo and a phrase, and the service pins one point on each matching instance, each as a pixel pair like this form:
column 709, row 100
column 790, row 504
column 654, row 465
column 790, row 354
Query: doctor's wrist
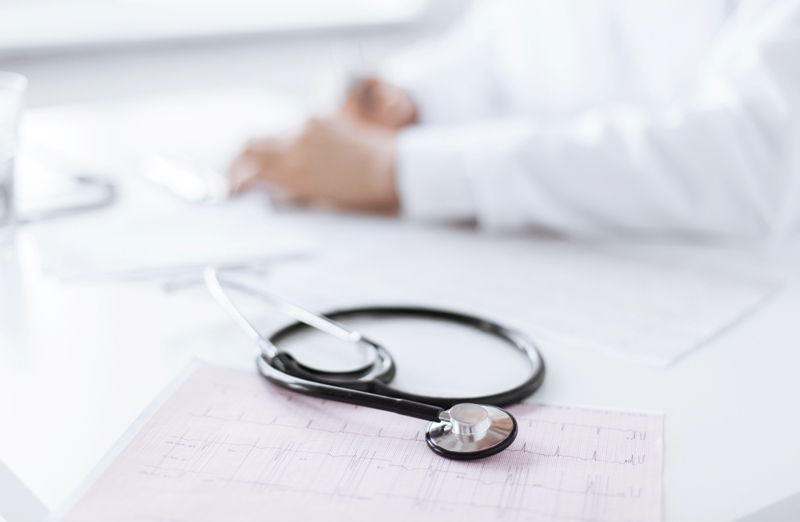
column 384, row 176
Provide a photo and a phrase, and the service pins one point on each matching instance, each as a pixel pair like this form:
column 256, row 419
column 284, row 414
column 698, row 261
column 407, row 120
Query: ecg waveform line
column 288, row 397
column 633, row 433
column 634, row 460
column 417, row 435
column 227, row 443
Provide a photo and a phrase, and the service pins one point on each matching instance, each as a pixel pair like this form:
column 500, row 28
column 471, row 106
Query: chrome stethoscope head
column 471, row 431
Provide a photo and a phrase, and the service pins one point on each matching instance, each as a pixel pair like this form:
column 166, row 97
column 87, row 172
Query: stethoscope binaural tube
column 379, row 381
column 460, row 428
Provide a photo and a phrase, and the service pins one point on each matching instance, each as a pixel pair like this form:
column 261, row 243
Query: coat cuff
column 431, row 176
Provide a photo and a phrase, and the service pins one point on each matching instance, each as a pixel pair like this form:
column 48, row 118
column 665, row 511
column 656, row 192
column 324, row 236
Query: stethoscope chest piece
column 471, row 431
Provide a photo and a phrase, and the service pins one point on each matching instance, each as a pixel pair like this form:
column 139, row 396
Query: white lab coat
column 596, row 117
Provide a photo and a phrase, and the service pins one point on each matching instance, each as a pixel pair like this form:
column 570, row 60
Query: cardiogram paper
column 229, row 446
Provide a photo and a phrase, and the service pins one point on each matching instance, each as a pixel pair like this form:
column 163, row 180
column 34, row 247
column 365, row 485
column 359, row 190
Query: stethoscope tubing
column 319, row 390
column 381, row 387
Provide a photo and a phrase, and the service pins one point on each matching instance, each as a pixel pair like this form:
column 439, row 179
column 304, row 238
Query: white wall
column 288, row 62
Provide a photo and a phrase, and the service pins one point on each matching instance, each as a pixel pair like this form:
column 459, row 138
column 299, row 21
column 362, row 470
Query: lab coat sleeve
column 725, row 162
column 451, row 79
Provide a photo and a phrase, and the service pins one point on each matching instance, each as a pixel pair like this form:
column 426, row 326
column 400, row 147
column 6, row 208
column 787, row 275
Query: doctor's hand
column 375, row 102
column 330, row 161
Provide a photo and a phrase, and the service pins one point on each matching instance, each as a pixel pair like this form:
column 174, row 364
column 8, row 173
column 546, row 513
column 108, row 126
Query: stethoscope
column 462, row 428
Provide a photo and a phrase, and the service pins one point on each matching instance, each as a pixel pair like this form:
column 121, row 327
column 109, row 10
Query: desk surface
column 80, row 361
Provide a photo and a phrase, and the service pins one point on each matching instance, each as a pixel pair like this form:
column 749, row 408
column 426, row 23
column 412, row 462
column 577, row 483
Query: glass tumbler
column 12, row 100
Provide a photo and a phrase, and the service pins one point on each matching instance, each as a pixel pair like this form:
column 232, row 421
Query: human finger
column 255, row 162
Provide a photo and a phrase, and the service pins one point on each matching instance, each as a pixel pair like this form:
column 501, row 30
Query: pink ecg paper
column 229, row 446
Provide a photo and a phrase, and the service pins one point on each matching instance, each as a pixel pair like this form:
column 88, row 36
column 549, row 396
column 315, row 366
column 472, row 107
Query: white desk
column 79, row 362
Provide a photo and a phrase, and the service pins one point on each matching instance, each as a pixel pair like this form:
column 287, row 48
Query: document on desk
column 227, row 445
column 148, row 231
column 165, row 243
column 581, row 294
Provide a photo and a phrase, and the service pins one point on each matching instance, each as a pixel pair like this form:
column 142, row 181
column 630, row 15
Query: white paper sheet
column 229, row 446
column 583, row 294
column 181, row 240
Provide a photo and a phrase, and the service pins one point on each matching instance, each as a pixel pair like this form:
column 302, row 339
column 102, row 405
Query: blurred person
column 587, row 117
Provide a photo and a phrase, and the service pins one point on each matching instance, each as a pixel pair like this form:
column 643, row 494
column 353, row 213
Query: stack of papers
column 151, row 230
